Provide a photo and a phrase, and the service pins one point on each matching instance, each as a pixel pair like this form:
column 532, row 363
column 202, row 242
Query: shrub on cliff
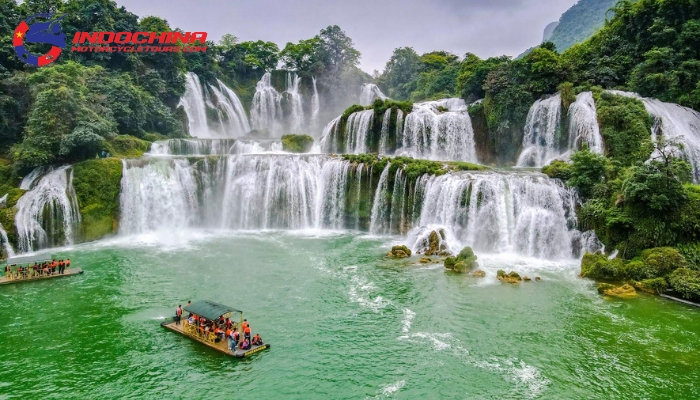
column 558, row 169
column 297, row 143
column 597, row 266
column 97, row 184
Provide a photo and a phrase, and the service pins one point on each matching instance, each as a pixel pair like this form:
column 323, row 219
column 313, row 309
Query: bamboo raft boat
column 29, row 275
column 211, row 311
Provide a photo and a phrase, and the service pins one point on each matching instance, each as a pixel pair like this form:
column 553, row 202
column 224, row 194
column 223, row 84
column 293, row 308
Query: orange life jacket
column 247, row 329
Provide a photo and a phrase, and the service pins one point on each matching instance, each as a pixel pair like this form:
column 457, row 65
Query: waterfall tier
column 369, row 93
column 539, row 139
column 213, row 111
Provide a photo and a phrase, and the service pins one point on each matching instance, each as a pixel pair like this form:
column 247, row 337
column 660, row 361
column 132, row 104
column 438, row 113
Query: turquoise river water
column 344, row 322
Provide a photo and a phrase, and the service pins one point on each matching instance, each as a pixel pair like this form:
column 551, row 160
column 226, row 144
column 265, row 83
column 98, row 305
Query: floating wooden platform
column 69, row 272
column 221, row 346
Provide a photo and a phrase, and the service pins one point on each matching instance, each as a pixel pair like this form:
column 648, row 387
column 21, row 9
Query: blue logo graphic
column 47, row 32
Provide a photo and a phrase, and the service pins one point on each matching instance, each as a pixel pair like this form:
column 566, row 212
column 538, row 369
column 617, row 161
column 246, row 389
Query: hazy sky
column 484, row 27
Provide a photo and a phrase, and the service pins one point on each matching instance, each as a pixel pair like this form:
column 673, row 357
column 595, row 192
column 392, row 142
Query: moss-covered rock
column 597, row 266
column 477, row 273
column 400, row 252
column 297, row 143
column 651, row 286
column 127, row 146
column 623, row 291
column 464, row 262
column 434, row 244
column 97, row 184
column 511, row 277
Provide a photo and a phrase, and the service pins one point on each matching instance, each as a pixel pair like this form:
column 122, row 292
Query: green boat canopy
column 209, row 309
column 29, row 259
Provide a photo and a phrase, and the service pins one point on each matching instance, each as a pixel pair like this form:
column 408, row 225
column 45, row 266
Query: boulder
column 623, row 291
column 526, row 278
column 512, row 277
column 435, row 244
column 478, row 273
column 464, row 262
column 400, row 252
column 425, row 260
column 537, row 278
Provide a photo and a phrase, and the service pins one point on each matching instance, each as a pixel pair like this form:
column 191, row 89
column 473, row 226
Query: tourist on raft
column 257, row 340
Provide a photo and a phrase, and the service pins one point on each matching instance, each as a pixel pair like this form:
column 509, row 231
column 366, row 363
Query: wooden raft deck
column 69, row 272
column 221, row 346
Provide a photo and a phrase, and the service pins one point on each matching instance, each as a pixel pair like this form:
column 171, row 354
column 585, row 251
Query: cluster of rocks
column 513, row 277
column 624, row 291
column 400, row 252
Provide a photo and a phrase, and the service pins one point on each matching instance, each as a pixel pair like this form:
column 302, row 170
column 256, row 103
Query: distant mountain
column 577, row 24
column 580, row 22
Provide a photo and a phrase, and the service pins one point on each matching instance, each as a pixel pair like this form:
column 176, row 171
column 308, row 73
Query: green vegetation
column 412, row 77
column 297, row 143
column 580, row 22
column 127, row 146
column 97, row 183
column 464, row 262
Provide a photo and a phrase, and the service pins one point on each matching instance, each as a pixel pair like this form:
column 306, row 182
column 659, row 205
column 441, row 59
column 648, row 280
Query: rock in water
column 526, row 278
column 435, row 244
column 425, row 260
column 400, row 252
column 478, row 273
column 624, row 291
column 512, row 277
column 464, row 262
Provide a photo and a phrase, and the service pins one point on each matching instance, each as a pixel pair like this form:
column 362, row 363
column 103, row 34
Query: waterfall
column 356, row 131
column 583, row 124
column 47, row 215
column 231, row 120
column 383, row 136
column 193, row 103
column 527, row 214
column 266, row 110
column 235, row 122
column 9, row 251
column 192, row 147
column 296, row 116
column 539, row 140
column 399, row 123
column 438, row 130
column 329, row 137
column 674, row 121
column 380, row 208
column 233, row 192
column 315, row 107
column 255, row 147
column 370, row 92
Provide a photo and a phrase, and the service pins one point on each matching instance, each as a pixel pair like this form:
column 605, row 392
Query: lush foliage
column 412, row 77
column 297, row 143
column 580, row 22
column 97, row 184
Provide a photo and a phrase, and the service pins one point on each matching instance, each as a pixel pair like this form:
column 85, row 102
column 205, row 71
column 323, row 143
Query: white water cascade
column 384, row 133
column 329, row 137
column 438, row 130
column 539, row 139
column 583, row 125
column 369, row 93
column 296, row 116
column 315, row 107
column 192, row 147
column 266, row 109
column 48, row 215
column 230, row 120
column 522, row 213
column 675, row 122
column 356, row 131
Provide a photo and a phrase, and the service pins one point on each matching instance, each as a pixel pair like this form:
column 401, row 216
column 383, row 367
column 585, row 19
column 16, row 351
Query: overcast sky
column 484, row 27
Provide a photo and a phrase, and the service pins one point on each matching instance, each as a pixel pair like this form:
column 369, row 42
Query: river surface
column 344, row 322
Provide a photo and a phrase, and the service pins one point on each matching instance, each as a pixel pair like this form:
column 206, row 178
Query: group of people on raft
column 223, row 328
column 44, row 269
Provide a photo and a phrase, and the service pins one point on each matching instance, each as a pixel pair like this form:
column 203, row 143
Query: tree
column 337, row 50
column 587, row 170
column 400, row 72
column 304, row 57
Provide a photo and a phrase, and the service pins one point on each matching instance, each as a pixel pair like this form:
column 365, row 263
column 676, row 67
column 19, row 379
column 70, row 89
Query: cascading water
column 296, row 115
column 438, row 130
column 370, row 92
column 356, row 130
column 193, row 103
column 527, row 214
column 266, row 110
column 583, row 124
column 230, row 121
column 9, row 251
column 48, row 215
column 384, row 134
column 315, row 107
column 675, row 122
column 329, row 137
column 380, row 208
column 192, row 147
column 539, row 140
